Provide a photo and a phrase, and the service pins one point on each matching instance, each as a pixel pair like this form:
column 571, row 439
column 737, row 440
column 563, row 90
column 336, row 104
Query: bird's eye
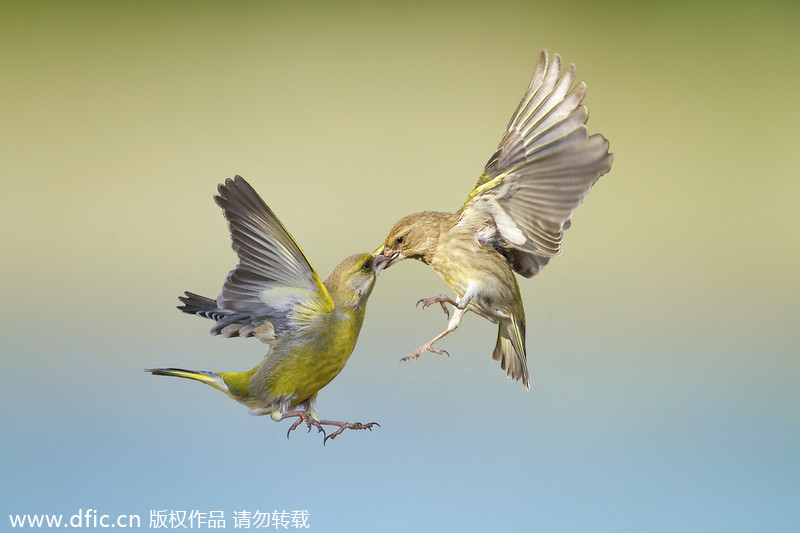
column 367, row 265
column 399, row 240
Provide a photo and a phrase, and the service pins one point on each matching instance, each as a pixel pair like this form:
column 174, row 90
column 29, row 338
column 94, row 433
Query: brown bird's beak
column 386, row 259
column 379, row 260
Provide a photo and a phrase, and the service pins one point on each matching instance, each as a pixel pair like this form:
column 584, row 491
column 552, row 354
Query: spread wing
column 542, row 170
column 273, row 278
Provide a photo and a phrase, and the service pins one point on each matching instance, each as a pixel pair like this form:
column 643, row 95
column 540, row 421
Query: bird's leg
column 440, row 299
column 345, row 425
column 302, row 416
column 458, row 312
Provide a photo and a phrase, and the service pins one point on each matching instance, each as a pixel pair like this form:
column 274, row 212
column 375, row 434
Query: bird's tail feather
column 228, row 323
column 209, row 378
column 196, row 304
column 510, row 349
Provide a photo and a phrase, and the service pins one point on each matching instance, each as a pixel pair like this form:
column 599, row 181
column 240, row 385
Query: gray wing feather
column 542, row 170
column 541, row 195
column 269, row 258
column 273, row 279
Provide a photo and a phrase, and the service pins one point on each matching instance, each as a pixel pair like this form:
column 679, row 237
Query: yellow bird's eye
column 399, row 240
column 367, row 265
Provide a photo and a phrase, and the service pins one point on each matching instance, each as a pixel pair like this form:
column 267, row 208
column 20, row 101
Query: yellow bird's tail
column 209, row 378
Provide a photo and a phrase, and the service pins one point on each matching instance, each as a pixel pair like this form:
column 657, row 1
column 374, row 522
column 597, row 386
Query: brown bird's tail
column 510, row 349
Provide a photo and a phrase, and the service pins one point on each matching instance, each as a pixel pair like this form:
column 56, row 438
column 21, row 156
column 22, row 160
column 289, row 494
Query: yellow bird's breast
column 316, row 355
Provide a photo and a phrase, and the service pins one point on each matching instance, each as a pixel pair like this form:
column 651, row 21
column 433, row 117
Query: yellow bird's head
column 351, row 282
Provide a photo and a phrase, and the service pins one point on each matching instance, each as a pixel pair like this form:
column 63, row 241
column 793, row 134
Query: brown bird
column 514, row 219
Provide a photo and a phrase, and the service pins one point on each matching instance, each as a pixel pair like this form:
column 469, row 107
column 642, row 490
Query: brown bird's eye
column 367, row 265
column 399, row 240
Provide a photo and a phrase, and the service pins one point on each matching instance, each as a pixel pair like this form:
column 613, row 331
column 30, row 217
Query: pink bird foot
column 441, row 300
column 302, row 416
column 428, row 346
column 345, row 425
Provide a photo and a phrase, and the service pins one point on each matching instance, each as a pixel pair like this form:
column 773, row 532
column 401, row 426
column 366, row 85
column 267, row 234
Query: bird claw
column 345, row 425
column 440, row 299
column 439, row 352
column 428, row 346
column 411, row 356
column 303, row 416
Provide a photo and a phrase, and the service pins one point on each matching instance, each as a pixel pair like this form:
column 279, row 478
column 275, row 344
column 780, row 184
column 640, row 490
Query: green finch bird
column 514, row 219
column 275, row 295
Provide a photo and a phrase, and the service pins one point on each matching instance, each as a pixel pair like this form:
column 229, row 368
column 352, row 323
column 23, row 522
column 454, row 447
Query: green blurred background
column 663, row 343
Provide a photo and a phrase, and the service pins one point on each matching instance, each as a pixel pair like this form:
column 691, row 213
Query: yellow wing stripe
column 493, row 182
column 326, row 299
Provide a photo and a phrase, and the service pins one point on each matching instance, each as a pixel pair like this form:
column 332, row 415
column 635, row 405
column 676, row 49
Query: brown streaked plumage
column 514, row 219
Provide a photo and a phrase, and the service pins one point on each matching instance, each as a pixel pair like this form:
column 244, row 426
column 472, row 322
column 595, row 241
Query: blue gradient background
column 663, row 343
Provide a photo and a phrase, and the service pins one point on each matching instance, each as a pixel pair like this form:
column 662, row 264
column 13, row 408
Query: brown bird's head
column 414, row 237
